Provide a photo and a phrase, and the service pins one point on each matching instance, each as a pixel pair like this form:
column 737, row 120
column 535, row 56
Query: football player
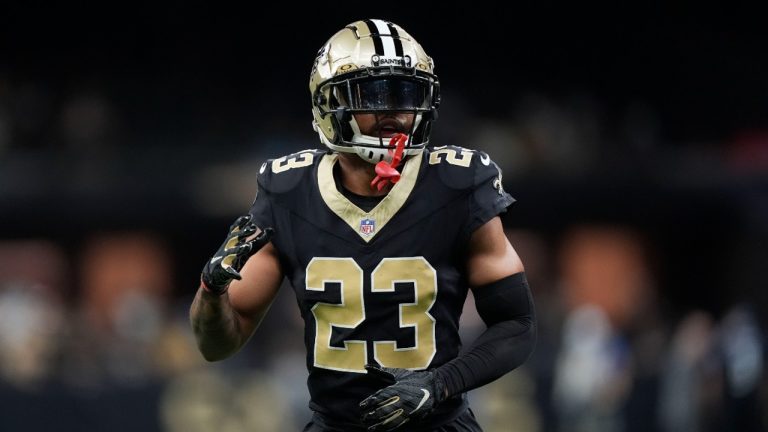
column 380, row 235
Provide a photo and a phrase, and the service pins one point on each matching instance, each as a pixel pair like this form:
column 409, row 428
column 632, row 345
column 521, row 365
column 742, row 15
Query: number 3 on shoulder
column 297, row 160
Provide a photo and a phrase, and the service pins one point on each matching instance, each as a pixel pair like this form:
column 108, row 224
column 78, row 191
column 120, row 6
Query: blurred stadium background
column 635, row 139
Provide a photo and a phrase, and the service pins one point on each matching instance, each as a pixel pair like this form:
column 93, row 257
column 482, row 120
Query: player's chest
column 409, row 232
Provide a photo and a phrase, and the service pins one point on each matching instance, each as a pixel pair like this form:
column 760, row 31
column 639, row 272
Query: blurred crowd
column 646, row 259
column 120, row 355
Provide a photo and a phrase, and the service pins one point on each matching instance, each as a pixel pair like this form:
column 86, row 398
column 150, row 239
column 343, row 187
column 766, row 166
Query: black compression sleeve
column 506, row 306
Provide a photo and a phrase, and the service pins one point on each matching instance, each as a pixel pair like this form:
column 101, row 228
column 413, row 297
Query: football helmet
column 372, row 66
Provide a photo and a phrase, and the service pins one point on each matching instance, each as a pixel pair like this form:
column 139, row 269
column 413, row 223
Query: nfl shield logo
column 367, row 227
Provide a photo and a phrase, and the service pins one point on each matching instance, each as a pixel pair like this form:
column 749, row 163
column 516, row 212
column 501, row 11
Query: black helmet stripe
column 378, row 45
column 396, row 39
column 385, row 38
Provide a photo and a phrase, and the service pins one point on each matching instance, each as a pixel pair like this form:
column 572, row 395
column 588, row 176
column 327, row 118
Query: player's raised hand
column 227, row 262
column 410, row 395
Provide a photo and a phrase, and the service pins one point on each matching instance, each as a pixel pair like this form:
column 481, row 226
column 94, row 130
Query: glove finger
column 249, row 248
column 244, row 250
column 378, row 399
column 394, row 421
column 398, row 373
column 247, row 231
column 264, row 237
column 380, row 373
column 231, row 252
column 238, row 224
column 232, row 272
column 383, row 411
column 231, row 243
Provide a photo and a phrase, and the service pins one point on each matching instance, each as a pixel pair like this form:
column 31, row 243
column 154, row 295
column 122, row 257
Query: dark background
column 699, row 67
column 125, row 117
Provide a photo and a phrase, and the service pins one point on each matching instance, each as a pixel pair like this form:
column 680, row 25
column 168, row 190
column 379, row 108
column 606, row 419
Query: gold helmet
column 372, row 66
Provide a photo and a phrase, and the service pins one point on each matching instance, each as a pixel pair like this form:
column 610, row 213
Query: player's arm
column 491, row 256
column 503, row 301
column 237, row 287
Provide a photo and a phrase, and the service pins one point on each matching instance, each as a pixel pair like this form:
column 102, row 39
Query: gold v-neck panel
column 384, row 210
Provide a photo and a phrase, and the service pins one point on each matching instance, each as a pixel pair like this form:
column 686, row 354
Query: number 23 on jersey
column 350, row 312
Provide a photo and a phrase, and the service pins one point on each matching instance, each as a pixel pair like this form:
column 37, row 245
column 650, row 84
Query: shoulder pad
column 282, row 174
column 462, row 168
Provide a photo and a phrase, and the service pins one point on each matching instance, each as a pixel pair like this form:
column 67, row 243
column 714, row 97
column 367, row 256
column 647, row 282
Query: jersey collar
column 367, row 224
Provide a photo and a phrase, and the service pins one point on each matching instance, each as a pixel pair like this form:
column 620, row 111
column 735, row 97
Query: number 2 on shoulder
column 451, row 156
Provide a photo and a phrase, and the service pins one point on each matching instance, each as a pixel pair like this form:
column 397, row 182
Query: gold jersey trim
column 384, row 210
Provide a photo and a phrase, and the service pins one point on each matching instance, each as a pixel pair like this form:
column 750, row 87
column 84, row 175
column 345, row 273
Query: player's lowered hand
column 410, row 395
column 227, row 262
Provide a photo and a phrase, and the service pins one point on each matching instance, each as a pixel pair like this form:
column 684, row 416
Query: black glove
column 410, row 395
column 227, row 262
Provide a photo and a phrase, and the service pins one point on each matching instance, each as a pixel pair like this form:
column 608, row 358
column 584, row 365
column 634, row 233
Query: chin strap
column 387, row 172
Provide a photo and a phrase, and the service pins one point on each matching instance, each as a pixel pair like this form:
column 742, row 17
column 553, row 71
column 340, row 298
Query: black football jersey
column 385, row 286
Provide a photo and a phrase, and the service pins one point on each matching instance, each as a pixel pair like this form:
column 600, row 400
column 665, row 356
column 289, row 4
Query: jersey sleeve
column 277, row 181
column 488, row 197
column 261, row 208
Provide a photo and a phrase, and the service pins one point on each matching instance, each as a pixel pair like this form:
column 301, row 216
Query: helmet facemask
column 381, row 92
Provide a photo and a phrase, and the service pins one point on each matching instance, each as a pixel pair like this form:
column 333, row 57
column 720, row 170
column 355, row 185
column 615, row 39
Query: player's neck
column 357, row 175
